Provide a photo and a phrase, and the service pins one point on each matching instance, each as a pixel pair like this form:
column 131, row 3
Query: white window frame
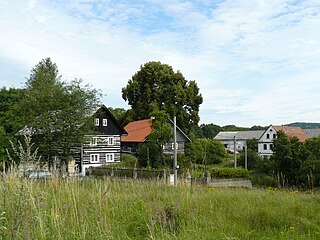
column 104, row 122
column 177, row 145
column 94, row 141
column 110, row 140
column 94, row 158
column 96, row 121
column 108, row 155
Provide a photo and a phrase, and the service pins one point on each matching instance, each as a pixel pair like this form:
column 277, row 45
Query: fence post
column 135, row 174
column 208, row 177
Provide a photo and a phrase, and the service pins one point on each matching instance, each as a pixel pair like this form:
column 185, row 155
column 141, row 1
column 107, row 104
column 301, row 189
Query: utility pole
column 234, row 151
column 175, row 151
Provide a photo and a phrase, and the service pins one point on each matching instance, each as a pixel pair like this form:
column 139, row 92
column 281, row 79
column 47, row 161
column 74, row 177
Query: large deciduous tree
column 56, row 111
column 157, row 87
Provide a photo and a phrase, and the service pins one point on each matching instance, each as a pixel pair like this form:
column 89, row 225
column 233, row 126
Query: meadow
column 108, row 209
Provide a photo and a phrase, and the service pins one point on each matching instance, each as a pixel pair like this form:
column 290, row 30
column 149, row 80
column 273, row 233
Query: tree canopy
column 157, row 87
column 55, row 110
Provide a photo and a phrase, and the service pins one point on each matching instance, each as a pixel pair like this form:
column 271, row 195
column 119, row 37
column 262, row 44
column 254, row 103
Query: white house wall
column 265, row 143
column 229, row 144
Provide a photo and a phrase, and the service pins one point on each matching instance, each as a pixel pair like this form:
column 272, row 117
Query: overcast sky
column 255, row 62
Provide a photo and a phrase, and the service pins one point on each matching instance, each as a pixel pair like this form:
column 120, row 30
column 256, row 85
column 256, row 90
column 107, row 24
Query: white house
column 265, row 142
column 264, row 138
column 241, row 137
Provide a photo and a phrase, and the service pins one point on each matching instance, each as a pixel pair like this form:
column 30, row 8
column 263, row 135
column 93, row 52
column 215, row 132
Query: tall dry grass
column 106, row 209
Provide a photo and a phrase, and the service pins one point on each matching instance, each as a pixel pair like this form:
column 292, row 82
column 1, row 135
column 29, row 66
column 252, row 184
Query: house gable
column 106, row 124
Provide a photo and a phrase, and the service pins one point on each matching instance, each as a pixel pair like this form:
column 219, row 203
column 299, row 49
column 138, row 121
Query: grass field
column 105, row 209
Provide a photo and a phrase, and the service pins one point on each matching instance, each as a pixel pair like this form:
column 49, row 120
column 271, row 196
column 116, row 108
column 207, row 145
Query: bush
column 252, row 159
column 263, row 180
column 230, row 173
column 127, row 160
column 205, row 151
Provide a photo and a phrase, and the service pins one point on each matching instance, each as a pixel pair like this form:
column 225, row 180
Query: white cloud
column 248, row 58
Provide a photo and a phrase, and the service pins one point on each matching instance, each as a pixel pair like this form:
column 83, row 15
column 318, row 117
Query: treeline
column 305, row 125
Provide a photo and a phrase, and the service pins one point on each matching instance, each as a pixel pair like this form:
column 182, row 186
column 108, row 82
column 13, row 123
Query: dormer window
column 104, row 122
column 96, row 121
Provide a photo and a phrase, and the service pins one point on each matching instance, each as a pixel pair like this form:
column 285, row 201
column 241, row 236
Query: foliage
column 124, row 172
column 9, row 117
column 150, row 155
column 157, row 87
column 122, row 115
column 230, row 173
column 293, row 163
column 205, row 151
column 151, row 152
column 252, row 159
column 252, row 155
column 305, row 125
column 56, row 111
column 127, row 160
column 286, row 157
column 104, row 209
column 263, row 180
column 25, row 152
column 10, row 121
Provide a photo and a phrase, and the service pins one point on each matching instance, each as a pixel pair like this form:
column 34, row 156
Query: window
column 271, row 146
column 274, row 136
column 177, row 146
column 109, row 157
column 268, row 136
column 104, row 122
column 110, row 140
column 93, row 141
column 265, row 146
column 96, row 121
column 94, row 158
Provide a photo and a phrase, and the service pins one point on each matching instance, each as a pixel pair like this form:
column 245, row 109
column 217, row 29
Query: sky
column 255, row 62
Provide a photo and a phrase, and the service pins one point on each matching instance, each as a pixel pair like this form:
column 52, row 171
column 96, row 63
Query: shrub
column 205, row 151
column 127, row 160
column 230, row 173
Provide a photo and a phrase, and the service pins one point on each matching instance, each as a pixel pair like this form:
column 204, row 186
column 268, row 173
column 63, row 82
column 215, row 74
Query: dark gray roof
column 240, row 135
column 315, row 132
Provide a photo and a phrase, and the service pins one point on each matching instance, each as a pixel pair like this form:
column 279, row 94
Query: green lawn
column 105, row 209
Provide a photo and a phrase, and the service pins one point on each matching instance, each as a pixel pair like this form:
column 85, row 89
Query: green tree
column 56, row 111
column 310, row 167
column 122, row 115
column 252, row 159
column 205, row 151
column 10, row 120
column 152, row 154
column 286, row 156
column 157, row 87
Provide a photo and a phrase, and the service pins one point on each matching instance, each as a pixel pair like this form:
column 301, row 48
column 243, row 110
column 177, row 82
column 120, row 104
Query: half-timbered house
column 104, row 146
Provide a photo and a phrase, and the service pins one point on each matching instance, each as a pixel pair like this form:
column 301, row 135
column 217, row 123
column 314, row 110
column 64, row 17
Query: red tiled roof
column 137, row 131
column 293, row 132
